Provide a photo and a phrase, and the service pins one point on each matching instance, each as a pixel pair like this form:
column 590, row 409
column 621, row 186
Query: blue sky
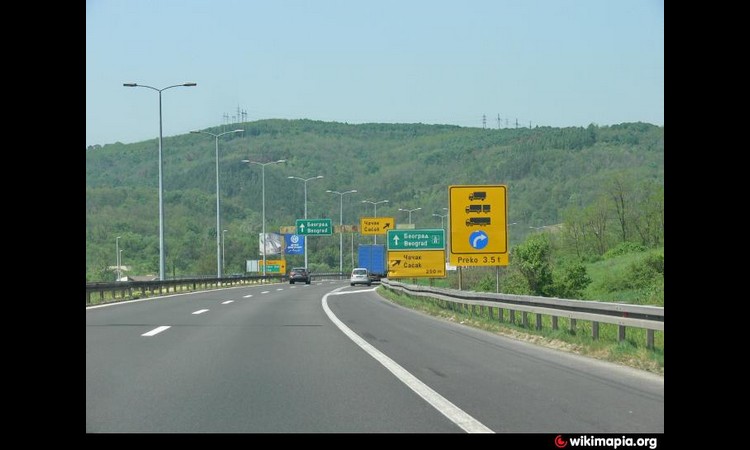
column 541, row 62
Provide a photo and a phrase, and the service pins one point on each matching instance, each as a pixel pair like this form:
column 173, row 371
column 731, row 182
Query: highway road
column 331, row 358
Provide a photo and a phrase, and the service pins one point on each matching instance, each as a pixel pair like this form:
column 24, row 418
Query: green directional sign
column 423, row 239
column 314, row 227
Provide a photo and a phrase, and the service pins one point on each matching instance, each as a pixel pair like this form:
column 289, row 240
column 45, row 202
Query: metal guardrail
column 131, row 289
column 624, row 315
column 123, row 290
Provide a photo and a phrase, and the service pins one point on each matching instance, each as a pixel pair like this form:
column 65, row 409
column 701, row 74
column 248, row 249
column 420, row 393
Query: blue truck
column 373, row 258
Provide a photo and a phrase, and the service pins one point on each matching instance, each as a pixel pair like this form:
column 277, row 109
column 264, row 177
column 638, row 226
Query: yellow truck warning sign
column 478, row 225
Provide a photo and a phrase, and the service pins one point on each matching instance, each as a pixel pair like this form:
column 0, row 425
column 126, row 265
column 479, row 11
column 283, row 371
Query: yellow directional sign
column 273, row 265
column 412, row 264
column 376, row 225
column 478, row 225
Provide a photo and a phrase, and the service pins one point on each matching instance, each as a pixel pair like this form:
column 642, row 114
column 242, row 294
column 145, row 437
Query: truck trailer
column 373, row 258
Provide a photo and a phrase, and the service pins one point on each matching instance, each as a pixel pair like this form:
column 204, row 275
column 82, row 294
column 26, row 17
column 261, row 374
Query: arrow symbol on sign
column 481, row 237
column 396, row 263
column 395, row 240
column 302, row 227
column 386, row 225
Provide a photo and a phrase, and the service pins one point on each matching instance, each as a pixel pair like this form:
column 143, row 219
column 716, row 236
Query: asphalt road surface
column 331, row 358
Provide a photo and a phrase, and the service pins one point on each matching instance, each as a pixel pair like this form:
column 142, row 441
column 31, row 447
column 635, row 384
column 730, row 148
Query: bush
column 487, row 284
column 515, row 283
column 623, row 248
column 570, row 280
column 644, row 272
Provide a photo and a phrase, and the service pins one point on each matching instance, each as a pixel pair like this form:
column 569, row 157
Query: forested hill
column 547, row 170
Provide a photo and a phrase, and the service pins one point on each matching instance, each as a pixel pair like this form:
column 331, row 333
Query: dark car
column 299, row 274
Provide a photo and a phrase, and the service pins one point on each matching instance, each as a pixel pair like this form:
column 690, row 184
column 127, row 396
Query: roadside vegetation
column 602, row 182
column 631, row 352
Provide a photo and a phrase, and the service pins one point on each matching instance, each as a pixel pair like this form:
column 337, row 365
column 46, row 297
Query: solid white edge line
column 442, row 404
column 156, row 330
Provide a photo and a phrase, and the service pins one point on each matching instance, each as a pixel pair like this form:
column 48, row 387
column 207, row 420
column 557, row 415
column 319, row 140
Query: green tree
column 620, row 190
column 532, row 259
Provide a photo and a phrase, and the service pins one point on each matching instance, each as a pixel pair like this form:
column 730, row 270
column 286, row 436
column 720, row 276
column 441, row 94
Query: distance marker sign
column 478, row 225
column 413, row 264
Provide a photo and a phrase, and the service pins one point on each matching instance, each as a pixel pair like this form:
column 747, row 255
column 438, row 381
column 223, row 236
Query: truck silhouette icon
column 480, row 195
column 478, row 209
column 481, row 221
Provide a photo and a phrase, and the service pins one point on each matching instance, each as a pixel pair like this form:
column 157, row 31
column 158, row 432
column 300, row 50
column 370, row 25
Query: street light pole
column 223, row 238
column 341, row 222
column 305, row 180
column 117, row 257
column 263, row 184
column 120, row 255
column 219, row 263
column 375, row 241
column 441, row 219
column 161, row 178
column 409, row 211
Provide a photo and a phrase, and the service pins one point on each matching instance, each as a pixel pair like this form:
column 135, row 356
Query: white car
column 360, row 275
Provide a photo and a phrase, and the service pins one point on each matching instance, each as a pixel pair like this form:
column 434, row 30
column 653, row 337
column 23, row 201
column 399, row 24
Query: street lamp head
column 280, row 161
column 189, row 84
column 130, row 84
column 319, row 176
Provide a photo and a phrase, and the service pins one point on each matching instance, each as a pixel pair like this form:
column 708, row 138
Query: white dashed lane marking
column 200, row 311
column 227, row 302
column 156, row 330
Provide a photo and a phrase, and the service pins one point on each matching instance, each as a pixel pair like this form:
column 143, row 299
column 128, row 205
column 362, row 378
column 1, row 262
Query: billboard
column 272, row 244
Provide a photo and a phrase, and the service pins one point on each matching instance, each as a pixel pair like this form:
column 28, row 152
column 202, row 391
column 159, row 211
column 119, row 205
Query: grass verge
column 631, row 352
